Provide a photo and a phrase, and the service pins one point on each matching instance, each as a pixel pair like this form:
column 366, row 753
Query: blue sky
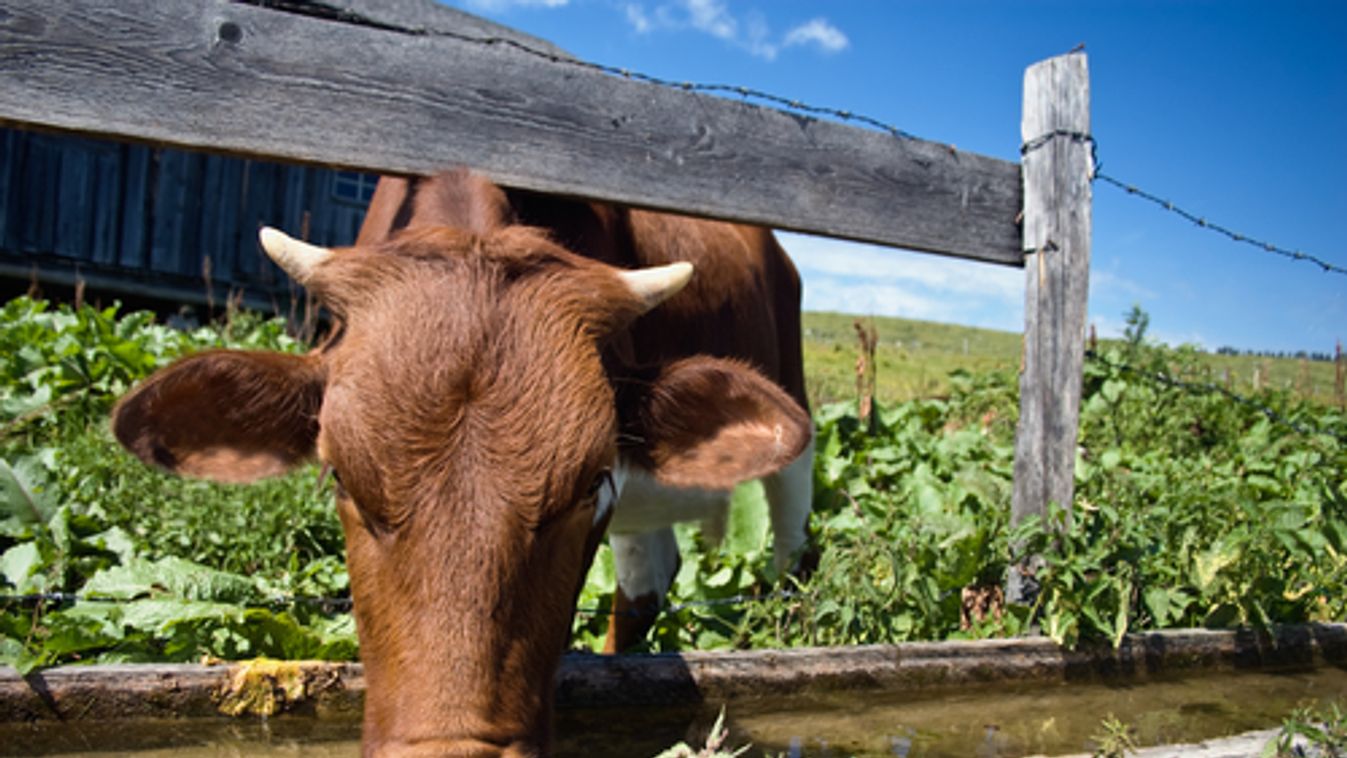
column 1234, row 110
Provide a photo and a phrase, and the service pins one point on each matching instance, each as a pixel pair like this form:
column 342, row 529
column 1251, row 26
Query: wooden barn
column 160, row 226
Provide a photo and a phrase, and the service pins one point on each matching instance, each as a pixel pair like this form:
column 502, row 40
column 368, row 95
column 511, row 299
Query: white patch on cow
column 646, row 505
column 790, row 496
column 645, row 563
column 645, row 553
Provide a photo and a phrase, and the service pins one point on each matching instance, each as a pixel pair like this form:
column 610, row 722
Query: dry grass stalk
column 1340, row 378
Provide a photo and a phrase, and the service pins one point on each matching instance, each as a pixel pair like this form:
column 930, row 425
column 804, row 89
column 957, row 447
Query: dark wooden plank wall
column 157, row 214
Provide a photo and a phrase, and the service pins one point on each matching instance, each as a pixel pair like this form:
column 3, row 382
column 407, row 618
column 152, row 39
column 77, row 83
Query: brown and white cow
column 500, row 389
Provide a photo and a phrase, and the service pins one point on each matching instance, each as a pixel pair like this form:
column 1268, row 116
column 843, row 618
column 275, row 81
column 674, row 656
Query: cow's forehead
column 455, row 363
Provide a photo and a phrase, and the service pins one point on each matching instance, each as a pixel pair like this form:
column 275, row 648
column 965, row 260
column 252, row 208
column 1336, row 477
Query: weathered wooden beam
column 1057, row 169
column 236, row 78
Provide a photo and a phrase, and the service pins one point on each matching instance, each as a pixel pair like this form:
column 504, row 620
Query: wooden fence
column 401, row 87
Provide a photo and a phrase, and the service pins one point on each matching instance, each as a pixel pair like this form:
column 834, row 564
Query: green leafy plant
column 1191, row 510
column 1114, row 739
column 1310, row 731
column 107, row 560
column 713, row 748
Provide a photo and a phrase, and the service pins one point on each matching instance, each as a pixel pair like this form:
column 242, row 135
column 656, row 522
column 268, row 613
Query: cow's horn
column 296, row 258
column 659, row 283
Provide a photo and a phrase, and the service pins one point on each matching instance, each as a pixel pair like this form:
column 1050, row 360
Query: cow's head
column 478, row 431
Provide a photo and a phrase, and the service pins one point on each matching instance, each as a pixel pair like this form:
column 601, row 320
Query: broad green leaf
column 19, row 497
column 1110, row 459
column 68, row 634
column 1208, row 564
column 19, row 403
column 28, row 660
column 721, row 578
column 115, row 540
column 158, row 615
column 1157, row 601
column 19, row 565
column 1112, row 391
column 1123, row 613
column 172, row 576
column 749, row 520
column 11, row 651
column 834, row 467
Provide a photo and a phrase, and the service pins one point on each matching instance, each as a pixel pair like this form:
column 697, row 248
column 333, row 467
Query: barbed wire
column 1097, row 174
column 1074, row 136
column 327, row 604
column 1212, row 388
column 344, row 604
column 1204, row 223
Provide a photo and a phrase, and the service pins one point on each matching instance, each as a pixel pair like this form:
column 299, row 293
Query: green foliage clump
column 1191, row 510
column 164, row 568
column 906, row 516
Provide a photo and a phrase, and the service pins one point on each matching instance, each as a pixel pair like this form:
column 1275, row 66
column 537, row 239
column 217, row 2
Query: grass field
column 914, row 359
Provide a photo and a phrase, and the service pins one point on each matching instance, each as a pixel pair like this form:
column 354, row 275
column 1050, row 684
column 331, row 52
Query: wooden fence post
column 1056, row 169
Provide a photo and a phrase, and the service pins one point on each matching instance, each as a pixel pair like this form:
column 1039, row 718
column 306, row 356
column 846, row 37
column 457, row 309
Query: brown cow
column 489, row 403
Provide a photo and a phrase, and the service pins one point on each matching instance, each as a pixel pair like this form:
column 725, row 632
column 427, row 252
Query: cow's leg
column 646, row 564
column 790, row 497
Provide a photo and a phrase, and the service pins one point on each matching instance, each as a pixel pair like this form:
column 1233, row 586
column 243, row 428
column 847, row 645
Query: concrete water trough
column 993, row 697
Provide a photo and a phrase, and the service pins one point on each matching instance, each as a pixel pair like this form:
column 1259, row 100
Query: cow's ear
column 225, row 415
column 711, row 423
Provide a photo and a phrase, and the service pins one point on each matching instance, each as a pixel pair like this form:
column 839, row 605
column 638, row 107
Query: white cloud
column 821, row 255
column 637, row 18
column 749, row 32
column 870, row 299
column 865, row 279
column 498, row 6
column 818, row 32
column 1108, row 285
column 757, row 40
column 711, row 16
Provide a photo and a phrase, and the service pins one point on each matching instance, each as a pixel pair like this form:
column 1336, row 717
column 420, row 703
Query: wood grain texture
column 149, row 217
column 135, row 206
column 1057, row 229
column 432, row 16
column 233, row 78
